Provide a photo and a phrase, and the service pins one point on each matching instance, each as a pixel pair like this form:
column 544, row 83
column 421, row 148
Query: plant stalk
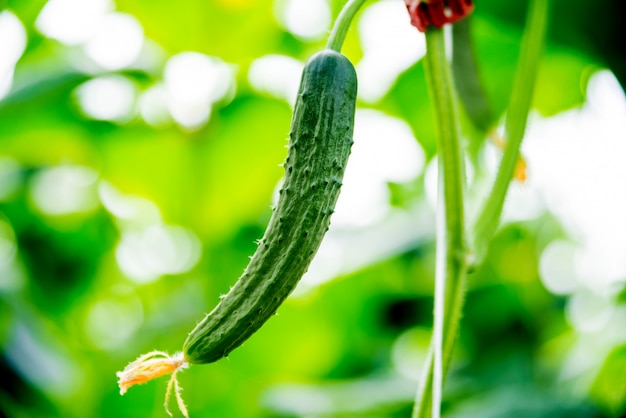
column 451, row 250
column 519, row 107
column 342, row 24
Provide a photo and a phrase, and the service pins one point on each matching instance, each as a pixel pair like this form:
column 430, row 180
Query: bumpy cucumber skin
column 319, row 145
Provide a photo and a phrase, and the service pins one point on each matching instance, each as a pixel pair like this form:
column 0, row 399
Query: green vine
column 451, row 250
column 450, row 275
column 517, row 115
column 342, row 24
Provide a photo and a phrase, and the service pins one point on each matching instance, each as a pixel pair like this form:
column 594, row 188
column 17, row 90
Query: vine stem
column 342, row 24
column 451, row 250
column 488, row 219
column 450, row 271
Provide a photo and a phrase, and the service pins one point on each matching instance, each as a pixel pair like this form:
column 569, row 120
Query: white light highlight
column 409, row 352
column 577, row 159
column 390, row 46
column 116, row 42
column 151, row 58
column 306, row 19
column 12, row 45
column 131, row 211
column 385, row 150
column 110, row 98
column 194, row 82
column 145, row 255
column 65, row 190
column 276, row 75
column 153, row 106
column 72, row 22
column 350, row 248
column 523, row 203
column 13, row 37
column 557, row 267
column 589, row 312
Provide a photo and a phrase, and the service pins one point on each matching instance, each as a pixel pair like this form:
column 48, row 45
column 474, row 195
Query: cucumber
column 319, row 145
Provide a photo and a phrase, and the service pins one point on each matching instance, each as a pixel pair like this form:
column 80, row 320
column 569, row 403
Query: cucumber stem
column 450, row 269
column 519, row 107
column 451, row 265
column 342, row 24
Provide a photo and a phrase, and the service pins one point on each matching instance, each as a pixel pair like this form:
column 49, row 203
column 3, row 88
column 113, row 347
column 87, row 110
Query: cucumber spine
column 319, row 145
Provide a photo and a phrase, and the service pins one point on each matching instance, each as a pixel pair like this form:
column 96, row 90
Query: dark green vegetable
column 320, row 142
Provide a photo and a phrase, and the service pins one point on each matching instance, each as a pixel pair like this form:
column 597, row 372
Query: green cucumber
column 319, row 145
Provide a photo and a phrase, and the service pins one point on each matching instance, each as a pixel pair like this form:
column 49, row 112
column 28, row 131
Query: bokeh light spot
column 577, row 159
column 13, row 36
column 110, row 98
column 112, row 322
column 306, row 19
column 129, row 210
column 194, row 82
column 147, row 254
column 72, row 22
column 557, row 267
column 65, row 190
column 385, row 150
column 117, row 42
column 276, row 75
column 153, row 106
column 409, row 352
column 588, row 311
column 390, row 46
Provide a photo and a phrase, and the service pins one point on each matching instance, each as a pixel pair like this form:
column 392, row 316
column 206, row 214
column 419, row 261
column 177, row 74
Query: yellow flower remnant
column 520, row 166
column 150, row 366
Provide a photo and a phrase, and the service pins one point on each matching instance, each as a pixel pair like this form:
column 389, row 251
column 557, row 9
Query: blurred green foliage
column 77, row 192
